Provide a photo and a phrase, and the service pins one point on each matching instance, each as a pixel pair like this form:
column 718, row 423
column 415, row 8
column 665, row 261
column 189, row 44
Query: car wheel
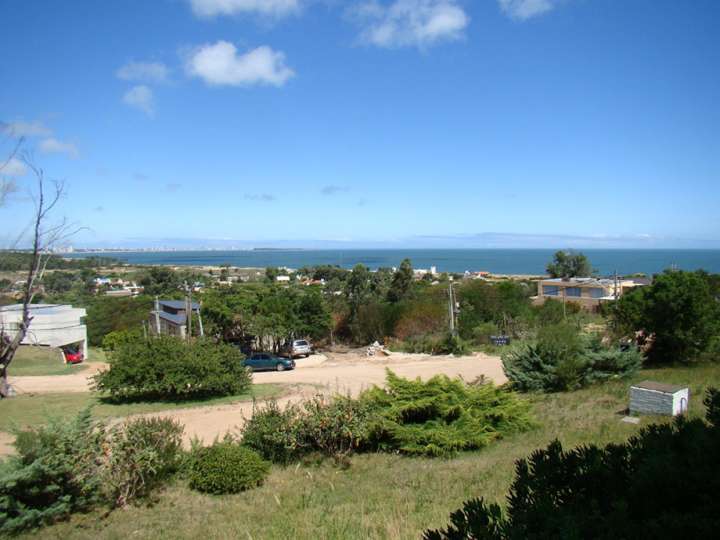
column 280, row 367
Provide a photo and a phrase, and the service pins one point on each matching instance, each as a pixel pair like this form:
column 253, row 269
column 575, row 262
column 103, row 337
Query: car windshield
column 300, row 343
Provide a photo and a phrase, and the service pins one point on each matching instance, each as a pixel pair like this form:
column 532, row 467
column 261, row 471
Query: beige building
column 589, row 293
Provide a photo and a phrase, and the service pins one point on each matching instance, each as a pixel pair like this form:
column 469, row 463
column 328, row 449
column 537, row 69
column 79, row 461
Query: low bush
column 142, row 454
column 226, row 467
column 429, row 344
column 561, row 359
column 169, row 368
column 331, row 427
column 57, row 471
column 73, row 465
column 117, row 338
column 662, row 483
column 440, row 416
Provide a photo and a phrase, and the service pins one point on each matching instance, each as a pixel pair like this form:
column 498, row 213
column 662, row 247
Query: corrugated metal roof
column 178, row 304
column 179, row 320
column 659, row 387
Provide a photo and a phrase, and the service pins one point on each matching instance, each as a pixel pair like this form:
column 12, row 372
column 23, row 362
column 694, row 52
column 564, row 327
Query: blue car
column 268, row 362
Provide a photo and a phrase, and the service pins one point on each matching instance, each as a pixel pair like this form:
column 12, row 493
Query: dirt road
column 346, row 374
column 349, row 374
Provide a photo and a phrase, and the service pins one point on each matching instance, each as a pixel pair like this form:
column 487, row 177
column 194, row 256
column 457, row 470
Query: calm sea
column 499, row 261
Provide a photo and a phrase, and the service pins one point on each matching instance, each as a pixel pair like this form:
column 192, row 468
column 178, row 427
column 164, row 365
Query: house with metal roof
column 587, row 292
column 52, row 325
column 170, row 317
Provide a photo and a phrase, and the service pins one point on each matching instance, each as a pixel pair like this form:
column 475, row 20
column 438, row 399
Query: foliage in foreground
column 563, row 360
column 73, row 465
column 226, row 467
column 441, row 416
column 169, row 368
column 662, row 483
column 438, row 417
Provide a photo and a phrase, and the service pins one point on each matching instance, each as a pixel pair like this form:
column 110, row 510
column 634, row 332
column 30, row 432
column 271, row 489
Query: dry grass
column 380, row 496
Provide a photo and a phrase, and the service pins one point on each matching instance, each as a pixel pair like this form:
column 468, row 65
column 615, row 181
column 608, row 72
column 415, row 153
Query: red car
column 73, row 355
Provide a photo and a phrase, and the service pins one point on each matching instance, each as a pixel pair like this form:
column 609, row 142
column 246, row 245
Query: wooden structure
column 650, row 397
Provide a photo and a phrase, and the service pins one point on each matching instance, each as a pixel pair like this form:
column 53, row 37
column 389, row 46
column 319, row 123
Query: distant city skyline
column 367, row 123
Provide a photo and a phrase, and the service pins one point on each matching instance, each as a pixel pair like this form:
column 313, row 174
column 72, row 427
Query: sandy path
column 346, row 374
column 349, row 375
column 53, row 384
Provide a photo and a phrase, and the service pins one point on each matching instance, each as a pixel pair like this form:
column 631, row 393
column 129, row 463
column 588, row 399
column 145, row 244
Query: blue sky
column 483, row 123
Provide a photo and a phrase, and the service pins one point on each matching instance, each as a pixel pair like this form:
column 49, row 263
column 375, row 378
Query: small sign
column 500, row 340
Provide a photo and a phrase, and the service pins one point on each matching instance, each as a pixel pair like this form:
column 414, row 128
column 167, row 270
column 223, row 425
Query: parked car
column 73, row 354
column 268, row 362
column 298, row 347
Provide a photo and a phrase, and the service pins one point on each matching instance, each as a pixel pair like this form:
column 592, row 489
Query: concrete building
column 169, row 318
column 588, row 292
column 52, row 325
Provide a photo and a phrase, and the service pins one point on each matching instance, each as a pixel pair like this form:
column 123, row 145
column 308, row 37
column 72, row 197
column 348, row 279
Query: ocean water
column 499, row 261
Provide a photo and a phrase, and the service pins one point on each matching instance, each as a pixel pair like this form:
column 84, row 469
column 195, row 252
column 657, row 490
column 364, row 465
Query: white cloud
column 526, row 9
column 273, row 8
column 220, row 64
column 143, row 71
column 53, row 145
column 12, row 167
column 140, row 97
column 412, row 22
column 25, row 129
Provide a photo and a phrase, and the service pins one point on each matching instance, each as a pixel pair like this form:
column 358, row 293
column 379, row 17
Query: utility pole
column 157, row 316
column 188, row 312
column 451, row 297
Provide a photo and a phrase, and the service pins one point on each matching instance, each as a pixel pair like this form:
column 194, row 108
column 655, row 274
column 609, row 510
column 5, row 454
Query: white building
column 52, row 325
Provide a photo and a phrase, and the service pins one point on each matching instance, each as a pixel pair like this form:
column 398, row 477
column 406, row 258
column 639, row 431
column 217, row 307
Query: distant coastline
column 498, row 261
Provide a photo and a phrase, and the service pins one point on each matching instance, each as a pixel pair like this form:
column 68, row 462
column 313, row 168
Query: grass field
column 32, row 360
column 29, row 410
column 381, row 496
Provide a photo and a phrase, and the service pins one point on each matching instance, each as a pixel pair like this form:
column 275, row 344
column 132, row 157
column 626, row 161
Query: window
column 573, row 291
column 550, row 290
column 597, row 292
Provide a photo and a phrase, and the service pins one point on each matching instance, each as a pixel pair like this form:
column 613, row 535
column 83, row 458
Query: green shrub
column 662, row 483
column 117, row 338
column 56, row 471
column 142, row 454
column 226, row 467
column 440, row 416
column 429, row 344
column 169, row 368
column 482, row 332
column 271, row 431
column 562, row 359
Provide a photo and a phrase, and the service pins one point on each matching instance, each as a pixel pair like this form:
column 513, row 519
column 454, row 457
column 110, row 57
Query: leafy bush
column 117, row 338
column 482, row 332
column 662, row 483
column 440, row 416
column 226, row 467
column 271, row 431
column 428, row 344
column 561, row 359
column 332, row 427
column 142, row 454
column 169, row 368
column 57, row 471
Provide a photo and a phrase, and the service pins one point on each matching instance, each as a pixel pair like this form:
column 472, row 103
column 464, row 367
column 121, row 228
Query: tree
column 160, row 280
column 44, row 237
column 568, row 264
column 401, row 282
column 678, row 313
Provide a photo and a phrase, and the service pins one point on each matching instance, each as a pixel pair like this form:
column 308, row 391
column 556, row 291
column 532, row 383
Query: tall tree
column 401, row 282
column 44, row 237
column 569, row 264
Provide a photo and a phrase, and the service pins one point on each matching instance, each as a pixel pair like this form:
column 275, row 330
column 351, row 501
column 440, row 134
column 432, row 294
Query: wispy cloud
column 264, row 197
column 25, row 129
column 12, row 167
column 272, row 8
column 148, row 72
column 99, row 209
column 173, row 187
column 220, row 64
column 333, row 189
column 140, row 177
column 526, row 9
column 140, row 97
column 52, row 145
column 414, row 23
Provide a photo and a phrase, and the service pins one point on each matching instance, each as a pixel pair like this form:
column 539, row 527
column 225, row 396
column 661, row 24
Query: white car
column 299, row 347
